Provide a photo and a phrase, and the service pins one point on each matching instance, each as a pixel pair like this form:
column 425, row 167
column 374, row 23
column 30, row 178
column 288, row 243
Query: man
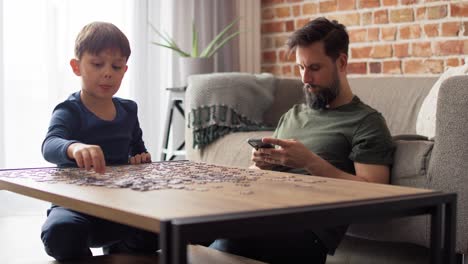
column 333, row 135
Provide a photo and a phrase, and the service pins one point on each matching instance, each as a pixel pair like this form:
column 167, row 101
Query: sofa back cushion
column 397, row 98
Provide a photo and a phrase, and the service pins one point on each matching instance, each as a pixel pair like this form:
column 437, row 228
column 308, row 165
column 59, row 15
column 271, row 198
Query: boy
column 89, row 130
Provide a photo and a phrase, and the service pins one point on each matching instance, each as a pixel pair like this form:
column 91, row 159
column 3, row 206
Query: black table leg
column 436, row 235
column 179, row 246
column 450, row 230
column 165, row 238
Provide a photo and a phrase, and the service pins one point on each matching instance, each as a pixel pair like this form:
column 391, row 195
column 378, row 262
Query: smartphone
column 257, row 143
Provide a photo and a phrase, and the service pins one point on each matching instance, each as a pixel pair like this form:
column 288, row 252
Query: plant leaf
column 218, row 37
column 222, row 44
column 176, row 49
column 167, row 40
column 194, row 41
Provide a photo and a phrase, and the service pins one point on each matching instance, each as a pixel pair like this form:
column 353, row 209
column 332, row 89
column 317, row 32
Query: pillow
column 425, row 123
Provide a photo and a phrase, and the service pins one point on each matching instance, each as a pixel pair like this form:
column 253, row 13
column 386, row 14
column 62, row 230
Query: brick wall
column 387, row 37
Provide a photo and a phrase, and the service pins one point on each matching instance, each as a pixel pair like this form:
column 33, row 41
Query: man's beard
column 324, row 95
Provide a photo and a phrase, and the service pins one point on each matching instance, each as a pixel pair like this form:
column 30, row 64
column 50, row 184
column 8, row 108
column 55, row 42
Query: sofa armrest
column 448, row 168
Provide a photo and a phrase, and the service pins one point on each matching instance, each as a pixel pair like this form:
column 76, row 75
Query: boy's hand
column 87, row 156
column 143, row 157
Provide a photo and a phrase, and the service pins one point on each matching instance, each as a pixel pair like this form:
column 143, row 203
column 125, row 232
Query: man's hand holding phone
column 257, row 156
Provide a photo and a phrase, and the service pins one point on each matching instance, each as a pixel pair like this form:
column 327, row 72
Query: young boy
column 89, row 130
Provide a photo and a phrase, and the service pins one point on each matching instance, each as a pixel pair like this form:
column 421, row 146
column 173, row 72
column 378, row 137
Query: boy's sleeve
column 54, row 147
column 137, row 145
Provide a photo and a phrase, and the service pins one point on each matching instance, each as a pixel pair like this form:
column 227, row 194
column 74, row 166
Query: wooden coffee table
column 273, row 202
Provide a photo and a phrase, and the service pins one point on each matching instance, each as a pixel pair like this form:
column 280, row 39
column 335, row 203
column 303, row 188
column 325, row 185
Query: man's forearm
column 321, row 167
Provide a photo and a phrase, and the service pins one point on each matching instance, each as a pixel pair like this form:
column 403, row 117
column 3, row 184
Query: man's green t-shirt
column 350, row 133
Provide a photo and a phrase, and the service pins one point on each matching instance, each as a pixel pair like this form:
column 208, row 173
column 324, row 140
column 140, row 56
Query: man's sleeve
column 372, row 142
column 278, row 127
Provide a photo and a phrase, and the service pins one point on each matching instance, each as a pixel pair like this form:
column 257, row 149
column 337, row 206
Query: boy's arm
column 58, row 138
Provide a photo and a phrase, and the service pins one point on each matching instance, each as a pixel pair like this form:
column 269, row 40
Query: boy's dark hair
column 333, row 34
column 98, row 36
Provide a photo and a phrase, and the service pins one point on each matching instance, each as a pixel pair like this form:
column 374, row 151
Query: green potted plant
column 196, row 61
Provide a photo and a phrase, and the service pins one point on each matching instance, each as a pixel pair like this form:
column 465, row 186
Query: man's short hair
column 98, row 36
column 333, row 34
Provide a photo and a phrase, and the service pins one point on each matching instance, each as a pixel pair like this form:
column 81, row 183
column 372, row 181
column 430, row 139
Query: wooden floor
column 21, row 219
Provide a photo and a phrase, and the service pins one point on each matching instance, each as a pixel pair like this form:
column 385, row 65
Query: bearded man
column 334, row 134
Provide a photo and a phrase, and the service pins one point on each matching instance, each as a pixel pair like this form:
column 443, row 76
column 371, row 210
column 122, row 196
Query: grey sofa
column 441, row 164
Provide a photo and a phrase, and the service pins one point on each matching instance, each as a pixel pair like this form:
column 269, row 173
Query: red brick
column 421, row 49
column 357, row 68
column 423, row 66
column 392, row 67
column 352, row 19
column 451, row 29
column 465, row 46
column 452, row 62
column 431, row 30
column 284, row 11
column 346, row 4
column 301, row 22
column 328, row 6
column 267, row 13
column 366, row 18
column 465, row 25
column 296, row 10
column 285, row 56
column 280, row 41
column 410, row 32
column 309, row 8
column 297, row 72
column 275, row 69
column 269, row 56
column 273, row 27
column 289, row 25
column 437, row 12
column 375, row 67
column 409, row 2
column 401, row 15
column 390, row 2
column 421, row 13
column 286, row 70
column 271, row 2
column 449, row 47
column 361, row 52
column 381, row 17
column 381, row 51
column 401, row 50
column 389, row 33
column 459, row 9
column 267, row 43
column 369, row 3
column 373, row 34
column 357, row 35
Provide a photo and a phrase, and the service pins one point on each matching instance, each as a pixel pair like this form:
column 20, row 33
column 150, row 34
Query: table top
column 233, row 190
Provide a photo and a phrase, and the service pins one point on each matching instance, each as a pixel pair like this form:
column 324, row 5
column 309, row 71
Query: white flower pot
column 189, row 66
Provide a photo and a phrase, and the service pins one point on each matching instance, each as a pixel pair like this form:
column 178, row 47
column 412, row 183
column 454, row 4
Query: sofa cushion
column 397, row 98
column 425, row 124
column 230, row 150
column 411, row 161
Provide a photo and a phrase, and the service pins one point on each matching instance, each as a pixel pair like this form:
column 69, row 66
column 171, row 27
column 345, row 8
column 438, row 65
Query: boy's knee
column 64, row 240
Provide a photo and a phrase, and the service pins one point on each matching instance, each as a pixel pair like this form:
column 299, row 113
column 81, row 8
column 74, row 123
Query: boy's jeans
column 67, row 234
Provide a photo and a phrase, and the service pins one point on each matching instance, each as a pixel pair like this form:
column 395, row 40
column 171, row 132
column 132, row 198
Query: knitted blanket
column 221, row 103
